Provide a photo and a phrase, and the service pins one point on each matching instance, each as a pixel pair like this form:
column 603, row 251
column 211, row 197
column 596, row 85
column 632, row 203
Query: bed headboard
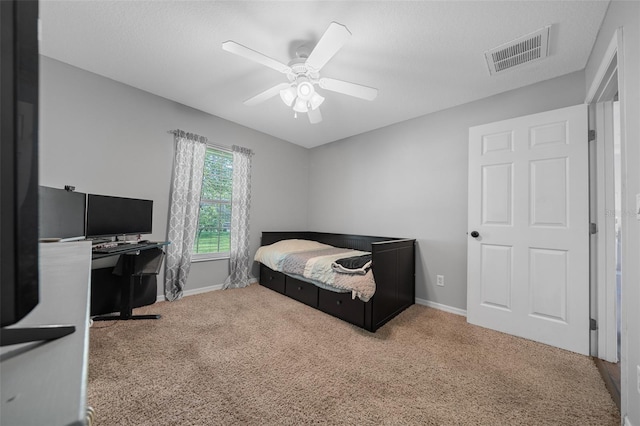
column 356, row 242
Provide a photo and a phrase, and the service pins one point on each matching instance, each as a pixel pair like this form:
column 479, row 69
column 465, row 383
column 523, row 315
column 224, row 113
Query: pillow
column 272, row 255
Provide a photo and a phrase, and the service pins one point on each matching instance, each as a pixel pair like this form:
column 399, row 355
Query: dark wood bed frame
column 393, row 269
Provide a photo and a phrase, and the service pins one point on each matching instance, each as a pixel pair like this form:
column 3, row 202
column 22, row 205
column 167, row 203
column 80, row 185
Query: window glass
column 214, row 221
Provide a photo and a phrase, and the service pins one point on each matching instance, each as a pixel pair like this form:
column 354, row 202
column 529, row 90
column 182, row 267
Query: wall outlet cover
column 440, row 280
column 638, row 206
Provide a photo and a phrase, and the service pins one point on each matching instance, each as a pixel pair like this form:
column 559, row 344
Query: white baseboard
column 200, row 290
column 441, row 307
column 418, row 301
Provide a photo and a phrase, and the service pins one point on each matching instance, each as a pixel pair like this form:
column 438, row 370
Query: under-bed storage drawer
column 272, row 279
column 301, row 291
column 342, row 306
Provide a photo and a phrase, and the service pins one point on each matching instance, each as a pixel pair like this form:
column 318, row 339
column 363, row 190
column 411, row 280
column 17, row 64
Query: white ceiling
column 423, row 56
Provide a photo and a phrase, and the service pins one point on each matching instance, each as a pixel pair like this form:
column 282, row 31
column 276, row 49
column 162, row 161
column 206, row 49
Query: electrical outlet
column 440, row 280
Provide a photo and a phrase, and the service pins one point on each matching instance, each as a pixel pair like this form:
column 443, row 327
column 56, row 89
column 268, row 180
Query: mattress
column 316, row 263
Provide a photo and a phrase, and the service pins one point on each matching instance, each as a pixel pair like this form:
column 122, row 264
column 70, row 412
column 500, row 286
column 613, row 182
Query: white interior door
column 528, row 265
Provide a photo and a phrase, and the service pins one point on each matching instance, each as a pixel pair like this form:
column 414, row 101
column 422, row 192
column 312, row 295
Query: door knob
column 475, row 234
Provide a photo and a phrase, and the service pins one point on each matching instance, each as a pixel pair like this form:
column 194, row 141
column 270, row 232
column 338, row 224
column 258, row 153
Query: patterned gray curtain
column 240, row 262
column 186, row 186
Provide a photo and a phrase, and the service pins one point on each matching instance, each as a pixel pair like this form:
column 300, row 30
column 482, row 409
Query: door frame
column 603, row 243
column 608, row 80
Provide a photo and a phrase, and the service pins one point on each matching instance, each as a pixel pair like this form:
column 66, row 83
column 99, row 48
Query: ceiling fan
column 303, row 73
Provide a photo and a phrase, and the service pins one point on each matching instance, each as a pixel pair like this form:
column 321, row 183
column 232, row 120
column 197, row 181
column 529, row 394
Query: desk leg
column 126, row 307
column 126, row 296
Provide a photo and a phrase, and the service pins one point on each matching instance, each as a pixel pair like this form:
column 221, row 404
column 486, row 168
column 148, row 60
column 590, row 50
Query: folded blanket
column 316, row 264
column 352, row 265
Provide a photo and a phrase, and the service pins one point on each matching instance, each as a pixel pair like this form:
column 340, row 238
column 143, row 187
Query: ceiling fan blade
column 351, row 89
column 252, row 55
column 269, row 93
column 330, row 42
column 314, row 115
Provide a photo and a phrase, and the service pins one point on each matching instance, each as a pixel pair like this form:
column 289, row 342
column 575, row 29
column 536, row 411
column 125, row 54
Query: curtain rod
column 183, row 134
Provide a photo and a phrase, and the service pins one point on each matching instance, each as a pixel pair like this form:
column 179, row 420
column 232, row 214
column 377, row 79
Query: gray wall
column 626, row 15
column 405, row 180
column 91, row 126
column 410, row 180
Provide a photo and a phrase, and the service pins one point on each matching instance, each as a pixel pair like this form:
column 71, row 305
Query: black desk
column 136, row 260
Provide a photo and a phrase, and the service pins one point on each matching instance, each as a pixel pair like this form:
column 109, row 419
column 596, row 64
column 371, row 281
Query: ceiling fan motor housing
column 303, row 51
column 299, row 69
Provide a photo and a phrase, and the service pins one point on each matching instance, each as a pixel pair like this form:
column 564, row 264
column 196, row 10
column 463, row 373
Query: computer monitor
column 109, row 216
column 62, row 214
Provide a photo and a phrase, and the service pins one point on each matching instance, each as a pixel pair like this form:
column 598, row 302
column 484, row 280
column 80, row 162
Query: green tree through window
column 214, row 221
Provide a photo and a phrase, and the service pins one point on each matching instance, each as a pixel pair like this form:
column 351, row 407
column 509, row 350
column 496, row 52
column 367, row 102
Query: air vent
column 526, row 49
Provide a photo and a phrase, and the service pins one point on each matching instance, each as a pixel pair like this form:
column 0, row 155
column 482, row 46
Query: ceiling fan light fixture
column 300, row 105
column 305, row 90
column 288, row 95
column 316, row 100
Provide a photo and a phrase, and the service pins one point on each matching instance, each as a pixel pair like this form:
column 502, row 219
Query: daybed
column 393, row 266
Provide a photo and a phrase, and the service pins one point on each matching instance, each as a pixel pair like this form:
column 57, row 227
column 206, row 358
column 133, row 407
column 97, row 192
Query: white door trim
column 608, row 77
column 599, row 83
column 615, row 51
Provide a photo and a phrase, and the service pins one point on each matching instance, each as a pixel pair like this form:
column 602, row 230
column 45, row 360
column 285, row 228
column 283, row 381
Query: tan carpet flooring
column 254, row 357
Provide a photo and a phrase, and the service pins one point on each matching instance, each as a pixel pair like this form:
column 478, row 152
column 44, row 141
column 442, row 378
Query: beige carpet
column 252, row 356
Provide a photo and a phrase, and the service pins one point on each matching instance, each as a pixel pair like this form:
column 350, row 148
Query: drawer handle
column 299, row 287
column 270, row 277
column 339, row 302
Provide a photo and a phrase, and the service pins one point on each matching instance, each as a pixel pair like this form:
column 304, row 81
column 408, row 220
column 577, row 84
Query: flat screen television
column 19, row 291
column 109, row 216
column 62, row 214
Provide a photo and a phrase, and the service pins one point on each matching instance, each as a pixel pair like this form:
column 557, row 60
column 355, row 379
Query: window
column 214, row 221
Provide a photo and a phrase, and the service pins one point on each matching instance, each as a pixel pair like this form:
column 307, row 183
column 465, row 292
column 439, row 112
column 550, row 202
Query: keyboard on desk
column 120, row 247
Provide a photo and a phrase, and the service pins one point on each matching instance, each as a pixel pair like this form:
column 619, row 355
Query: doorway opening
column 609, row 363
